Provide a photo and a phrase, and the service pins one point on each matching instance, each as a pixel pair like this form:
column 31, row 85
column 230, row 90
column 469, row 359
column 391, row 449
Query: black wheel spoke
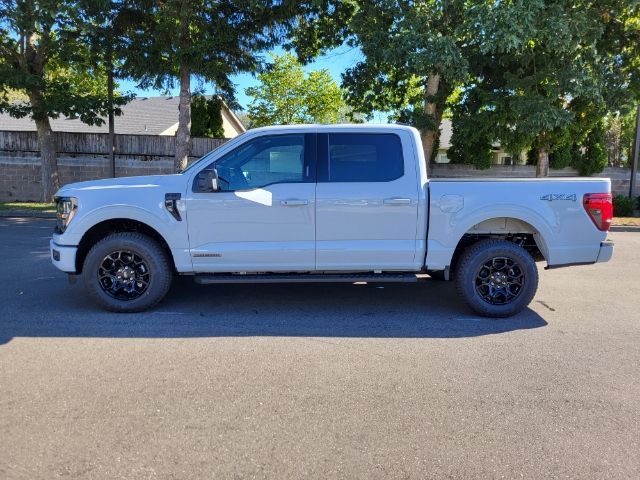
column 123, row 275
column 499, row 280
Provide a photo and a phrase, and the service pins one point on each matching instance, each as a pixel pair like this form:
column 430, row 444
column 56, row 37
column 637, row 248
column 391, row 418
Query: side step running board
column 307, row 278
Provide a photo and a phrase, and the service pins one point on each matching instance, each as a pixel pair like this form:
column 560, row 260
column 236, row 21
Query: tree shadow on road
column 429, row 310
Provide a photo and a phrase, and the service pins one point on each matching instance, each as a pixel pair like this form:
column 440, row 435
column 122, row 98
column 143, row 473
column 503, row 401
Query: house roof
column 141, row 116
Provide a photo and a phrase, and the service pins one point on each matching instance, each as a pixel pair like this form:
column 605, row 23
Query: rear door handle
column 293, row 202
column 397, row 201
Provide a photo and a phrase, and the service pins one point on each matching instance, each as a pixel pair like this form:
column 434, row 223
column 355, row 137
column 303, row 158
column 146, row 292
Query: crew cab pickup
column 326, row 203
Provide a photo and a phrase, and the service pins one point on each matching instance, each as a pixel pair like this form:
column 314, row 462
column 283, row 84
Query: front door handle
column 397, row 201
column 293, row 202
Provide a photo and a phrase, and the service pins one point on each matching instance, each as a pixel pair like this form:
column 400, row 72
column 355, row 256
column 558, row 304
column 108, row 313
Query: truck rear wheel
column 127, row 272
column 496, row 278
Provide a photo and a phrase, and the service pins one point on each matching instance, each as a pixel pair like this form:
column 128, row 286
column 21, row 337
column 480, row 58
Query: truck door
column 366, row 202
column 262, row 217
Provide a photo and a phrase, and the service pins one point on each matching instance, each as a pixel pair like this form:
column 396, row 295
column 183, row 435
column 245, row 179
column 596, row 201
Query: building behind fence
column 83, row 156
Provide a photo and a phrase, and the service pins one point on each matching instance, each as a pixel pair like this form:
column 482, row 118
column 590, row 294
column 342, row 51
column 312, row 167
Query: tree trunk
column 183, row 135
column 431, row 108
column 112, row 141
column 47, row 144
column 542, row 167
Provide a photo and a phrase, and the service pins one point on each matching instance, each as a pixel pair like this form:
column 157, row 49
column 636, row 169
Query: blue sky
column 335, row 61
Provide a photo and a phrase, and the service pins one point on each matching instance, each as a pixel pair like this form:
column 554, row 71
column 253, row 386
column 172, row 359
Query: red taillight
column 599, row 207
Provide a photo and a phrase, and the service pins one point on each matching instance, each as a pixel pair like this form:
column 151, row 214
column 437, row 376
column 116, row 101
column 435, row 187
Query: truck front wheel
column 127, row 272
column 496, row 278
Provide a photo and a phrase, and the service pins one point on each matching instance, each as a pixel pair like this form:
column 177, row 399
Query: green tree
column 561, row 157
column 176, row 40
column 620, row 131
column 543, row 73
column 42, row 57
column 206, row 116
column 413, row 55
column 104, row 25
column 594, row 158
column 287, row 96
column 471, row 142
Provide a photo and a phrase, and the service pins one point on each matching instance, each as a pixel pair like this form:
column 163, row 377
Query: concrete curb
column 625, row 228
column 25, row 214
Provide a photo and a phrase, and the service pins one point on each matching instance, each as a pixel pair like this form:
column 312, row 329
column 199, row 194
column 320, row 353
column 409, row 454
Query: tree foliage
column 177, row 39
column 42, row 55
column 620, row 131
column 207, row 117
column 412, row 55
column 287, row 96
column 561, row 157
column 594, row 158
column 531, row 74
column 471, row 142
column 543, row 73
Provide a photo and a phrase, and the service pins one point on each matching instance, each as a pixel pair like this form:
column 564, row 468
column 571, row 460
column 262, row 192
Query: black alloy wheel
column 123, row 275
column 500, row 280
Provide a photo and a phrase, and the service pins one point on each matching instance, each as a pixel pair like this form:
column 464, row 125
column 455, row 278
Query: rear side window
column 364, row 157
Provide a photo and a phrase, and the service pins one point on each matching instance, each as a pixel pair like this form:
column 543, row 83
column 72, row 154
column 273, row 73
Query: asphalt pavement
column 317, row 381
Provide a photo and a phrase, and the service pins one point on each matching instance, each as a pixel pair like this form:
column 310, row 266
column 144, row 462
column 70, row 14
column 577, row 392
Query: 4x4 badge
column 559, row 196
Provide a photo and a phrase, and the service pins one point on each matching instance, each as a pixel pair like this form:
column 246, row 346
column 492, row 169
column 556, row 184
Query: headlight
column 66, row 208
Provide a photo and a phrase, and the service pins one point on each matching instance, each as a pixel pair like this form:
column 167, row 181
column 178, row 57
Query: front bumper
column 63, row 257
column 606, row 251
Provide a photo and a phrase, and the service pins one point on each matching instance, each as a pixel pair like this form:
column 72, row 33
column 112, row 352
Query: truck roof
column 369, row 127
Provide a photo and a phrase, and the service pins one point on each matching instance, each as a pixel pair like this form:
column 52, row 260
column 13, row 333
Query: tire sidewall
column 151, row 254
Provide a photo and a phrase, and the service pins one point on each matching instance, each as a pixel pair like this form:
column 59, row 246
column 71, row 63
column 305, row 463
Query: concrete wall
column 82, row 159
column 20, row 179
column 619, row 176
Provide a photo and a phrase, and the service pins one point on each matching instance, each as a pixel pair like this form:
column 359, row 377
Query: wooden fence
column 98, row 143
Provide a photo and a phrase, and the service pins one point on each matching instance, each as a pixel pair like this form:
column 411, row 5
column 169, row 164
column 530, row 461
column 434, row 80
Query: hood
column 173, row 182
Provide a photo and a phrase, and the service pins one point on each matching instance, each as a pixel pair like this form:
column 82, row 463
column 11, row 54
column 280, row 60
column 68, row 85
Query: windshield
column 205, row 158
column 199, row 161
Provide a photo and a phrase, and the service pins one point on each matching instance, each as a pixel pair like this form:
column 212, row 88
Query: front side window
column 364, row 157
column 263, row 161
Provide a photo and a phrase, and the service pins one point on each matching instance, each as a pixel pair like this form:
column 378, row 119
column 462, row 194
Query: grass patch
column 28, row 206
column 626, row 221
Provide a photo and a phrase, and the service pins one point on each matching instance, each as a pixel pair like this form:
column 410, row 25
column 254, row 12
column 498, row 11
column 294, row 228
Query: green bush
column 623, row 206
column 594, row 159
column 560, row 157
column 206, row 117
column 469, row 144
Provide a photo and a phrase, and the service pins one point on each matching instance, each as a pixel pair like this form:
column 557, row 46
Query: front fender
column 174, row 232
column 160, row 220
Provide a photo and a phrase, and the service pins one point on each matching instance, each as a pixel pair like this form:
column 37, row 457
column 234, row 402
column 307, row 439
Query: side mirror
column 208, row 180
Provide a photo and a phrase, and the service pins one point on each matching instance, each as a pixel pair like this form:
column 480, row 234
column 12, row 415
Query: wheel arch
column 115, row 225
column 529, row 234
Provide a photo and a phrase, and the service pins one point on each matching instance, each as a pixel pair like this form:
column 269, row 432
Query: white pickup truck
column 326, row 203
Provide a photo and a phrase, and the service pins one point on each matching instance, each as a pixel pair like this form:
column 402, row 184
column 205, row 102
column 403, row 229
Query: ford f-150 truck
column 326, row 203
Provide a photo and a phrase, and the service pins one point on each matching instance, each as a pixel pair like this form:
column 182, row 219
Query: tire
column 127, row 272
column 496, row 278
